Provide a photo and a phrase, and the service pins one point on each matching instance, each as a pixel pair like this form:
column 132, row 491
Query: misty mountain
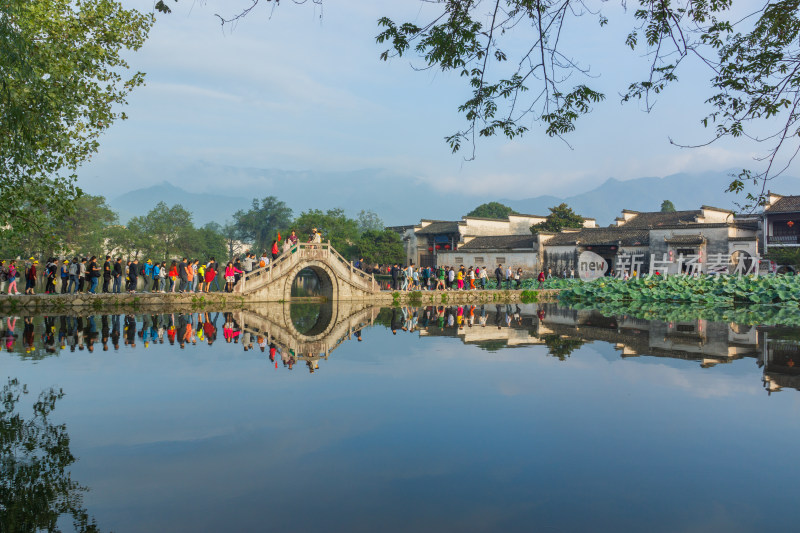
column 205, row 207
column 397, row 198
column 403, row 199
column 686, row 191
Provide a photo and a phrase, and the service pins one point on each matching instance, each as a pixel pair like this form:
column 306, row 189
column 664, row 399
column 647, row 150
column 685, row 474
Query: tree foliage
column 369, row 220
column 667, row 207
column 63, row 76
column 260, row 224
column 333, row 224
column 492, row 210
column 383, row 247
column 560, row 217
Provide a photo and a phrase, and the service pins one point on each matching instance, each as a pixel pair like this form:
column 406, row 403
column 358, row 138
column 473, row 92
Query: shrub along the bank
column 715, row 290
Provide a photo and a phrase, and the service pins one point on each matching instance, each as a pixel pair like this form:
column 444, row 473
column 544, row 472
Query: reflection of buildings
column 490, row 327
column 708, row 343
column 781, row 359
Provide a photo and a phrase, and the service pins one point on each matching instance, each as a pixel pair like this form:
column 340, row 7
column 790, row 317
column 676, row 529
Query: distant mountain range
column 686, row 191
column 401, row 199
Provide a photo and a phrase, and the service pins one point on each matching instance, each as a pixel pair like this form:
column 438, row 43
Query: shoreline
column 201, row 301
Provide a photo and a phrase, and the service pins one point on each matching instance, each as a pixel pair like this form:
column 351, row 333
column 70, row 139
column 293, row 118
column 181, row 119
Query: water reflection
column 36, row 488
column 308, row 333
column 306, row 284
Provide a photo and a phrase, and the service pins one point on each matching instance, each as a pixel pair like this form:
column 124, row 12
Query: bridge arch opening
column 312, row 281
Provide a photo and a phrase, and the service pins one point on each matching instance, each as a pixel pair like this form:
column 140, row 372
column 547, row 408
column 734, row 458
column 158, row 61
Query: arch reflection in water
column 307, row 332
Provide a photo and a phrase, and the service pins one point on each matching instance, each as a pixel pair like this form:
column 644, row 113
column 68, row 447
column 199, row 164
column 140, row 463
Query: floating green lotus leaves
column 715, row 290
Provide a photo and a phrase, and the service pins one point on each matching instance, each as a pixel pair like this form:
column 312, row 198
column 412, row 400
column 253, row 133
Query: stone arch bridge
column 339, row 279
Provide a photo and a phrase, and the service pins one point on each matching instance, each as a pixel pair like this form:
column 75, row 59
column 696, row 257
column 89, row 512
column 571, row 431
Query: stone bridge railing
column 300, row 252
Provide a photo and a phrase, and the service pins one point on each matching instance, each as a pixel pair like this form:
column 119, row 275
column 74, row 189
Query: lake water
column 337, row 418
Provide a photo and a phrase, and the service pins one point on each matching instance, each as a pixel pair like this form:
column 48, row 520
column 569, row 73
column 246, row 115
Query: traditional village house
column 781, row 222
column 476, row 241
column 700, row 235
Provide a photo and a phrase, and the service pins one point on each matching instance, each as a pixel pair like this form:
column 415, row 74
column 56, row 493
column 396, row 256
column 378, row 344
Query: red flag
column 279, row 236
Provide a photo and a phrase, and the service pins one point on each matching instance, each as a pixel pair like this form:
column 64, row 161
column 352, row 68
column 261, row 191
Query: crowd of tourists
column 450, row 278
column 115, row 275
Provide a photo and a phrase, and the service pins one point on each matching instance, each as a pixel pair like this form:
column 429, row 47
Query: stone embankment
column 160, row 303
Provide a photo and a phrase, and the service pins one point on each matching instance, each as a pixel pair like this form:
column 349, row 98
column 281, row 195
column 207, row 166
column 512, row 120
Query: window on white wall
column 459, row 260
column 479, row 260
column 501, row 260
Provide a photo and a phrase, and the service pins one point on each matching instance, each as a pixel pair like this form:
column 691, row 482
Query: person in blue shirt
column 148, row 273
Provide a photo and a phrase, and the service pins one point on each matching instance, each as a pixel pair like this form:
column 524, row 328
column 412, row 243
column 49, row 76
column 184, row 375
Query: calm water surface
column 460, row 419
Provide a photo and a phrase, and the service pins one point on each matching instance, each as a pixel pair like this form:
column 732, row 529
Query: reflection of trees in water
column 306, row 284
column 35, row 487
column 559, row 347
column 305, row 316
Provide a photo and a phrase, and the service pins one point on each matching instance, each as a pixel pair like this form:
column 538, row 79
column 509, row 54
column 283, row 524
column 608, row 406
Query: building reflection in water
column 305, row 334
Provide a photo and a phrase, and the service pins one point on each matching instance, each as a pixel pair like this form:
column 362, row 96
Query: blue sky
column 300, row 88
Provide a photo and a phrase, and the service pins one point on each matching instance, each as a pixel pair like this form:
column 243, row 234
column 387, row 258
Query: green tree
column 85, row 230
column 63, row 78
column 260, row 224
column 127, row 241
column 231, row 235
column 369, row 220
column 208, row 241
column 492, row 210
column 334, row 225
column 560, row 217
column 165, row 232
column 667, row 207
column 383, row 247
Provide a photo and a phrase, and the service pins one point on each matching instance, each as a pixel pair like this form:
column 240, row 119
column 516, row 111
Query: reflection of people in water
column 130, row 331
column 210, row 327
column 358, row 335
column 62, row 331
column 27, row 334
column 397, row 321
column 104, row 331
column 49, row 335
column 115, row 331
column 91, row 333
column 484, row 316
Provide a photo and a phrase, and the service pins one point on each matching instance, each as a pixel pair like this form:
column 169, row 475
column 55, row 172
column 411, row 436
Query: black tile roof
column 599, row 236
column 500, row 242
column 438, row 227
column 685, row 239
column 657, row 218
column 787, row 204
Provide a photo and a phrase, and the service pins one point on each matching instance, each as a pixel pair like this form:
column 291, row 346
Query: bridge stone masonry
column 338, row 278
